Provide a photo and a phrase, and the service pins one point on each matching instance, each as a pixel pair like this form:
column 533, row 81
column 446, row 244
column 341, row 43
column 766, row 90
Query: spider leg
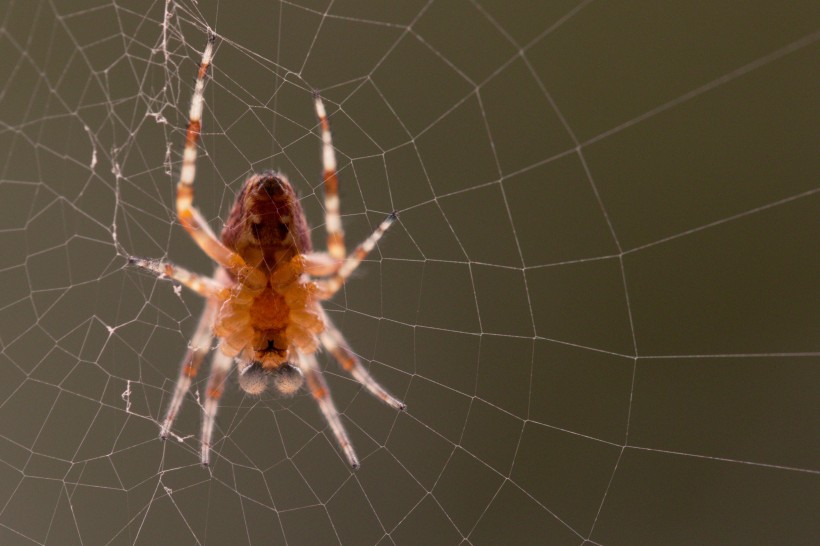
column 328, row 287
column 321, row 264
column 333, row 222
column 320, row 391
column 335, row 343
column 190, row 218
column 191, row 362
column 220, row 366
column 204, row 286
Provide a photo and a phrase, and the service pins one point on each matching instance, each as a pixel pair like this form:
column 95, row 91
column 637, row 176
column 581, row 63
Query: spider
column 263, row 302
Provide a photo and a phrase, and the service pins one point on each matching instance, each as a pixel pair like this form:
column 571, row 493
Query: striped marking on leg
column 204, row 286
column 320, row 391
column 333, row 220
column 189, row 366
column 185, row 190
column 220, row 367
column 335, row 343
column 332, row 285
column 190, row 218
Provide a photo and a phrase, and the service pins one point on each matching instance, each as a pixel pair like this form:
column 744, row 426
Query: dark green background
column 600, row 302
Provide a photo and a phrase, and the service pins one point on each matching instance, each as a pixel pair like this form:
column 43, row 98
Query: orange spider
column 262, row 302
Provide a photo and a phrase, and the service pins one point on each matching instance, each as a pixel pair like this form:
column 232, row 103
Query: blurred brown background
column 600, row 303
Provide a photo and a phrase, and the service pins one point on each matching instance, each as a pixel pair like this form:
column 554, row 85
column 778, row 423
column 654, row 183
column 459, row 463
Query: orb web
column 599, row 302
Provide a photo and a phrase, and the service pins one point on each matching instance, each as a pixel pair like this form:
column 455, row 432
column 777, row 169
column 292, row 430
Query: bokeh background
column 600, row 303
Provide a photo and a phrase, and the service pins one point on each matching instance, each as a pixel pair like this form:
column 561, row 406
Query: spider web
column 600, row 301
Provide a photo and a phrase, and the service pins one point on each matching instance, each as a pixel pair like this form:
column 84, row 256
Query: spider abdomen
column 269, row 311
column 264, row 324
column 233, row 325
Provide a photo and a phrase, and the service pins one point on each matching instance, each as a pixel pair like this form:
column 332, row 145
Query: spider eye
column 272, row 185
column 253, row 379
column 288, row 379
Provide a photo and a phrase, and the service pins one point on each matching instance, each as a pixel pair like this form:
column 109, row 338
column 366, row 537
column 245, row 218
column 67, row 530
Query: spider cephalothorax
column 264, row 301
column 267, row 224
